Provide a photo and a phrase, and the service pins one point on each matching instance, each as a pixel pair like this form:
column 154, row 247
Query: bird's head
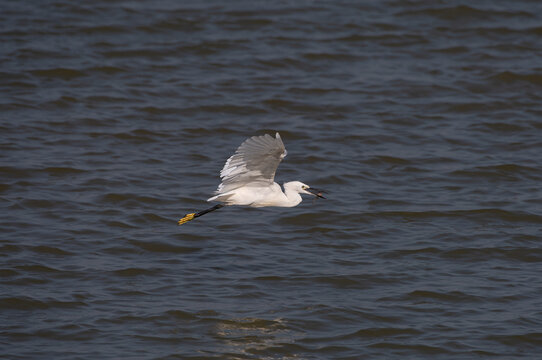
column 306, row 189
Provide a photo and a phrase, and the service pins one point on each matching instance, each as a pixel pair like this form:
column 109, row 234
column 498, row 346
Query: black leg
column 191, row 216
column 203, row 212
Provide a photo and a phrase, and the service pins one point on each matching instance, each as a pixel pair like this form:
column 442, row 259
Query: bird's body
column 248, row 178
column 260, row 196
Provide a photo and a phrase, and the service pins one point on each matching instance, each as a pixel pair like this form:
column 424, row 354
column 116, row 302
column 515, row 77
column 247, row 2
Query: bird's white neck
column 292, row 195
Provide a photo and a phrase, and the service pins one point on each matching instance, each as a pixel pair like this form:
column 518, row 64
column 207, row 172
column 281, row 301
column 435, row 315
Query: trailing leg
column 191, row 216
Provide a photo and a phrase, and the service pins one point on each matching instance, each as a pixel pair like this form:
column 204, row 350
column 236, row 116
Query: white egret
column 248, row 178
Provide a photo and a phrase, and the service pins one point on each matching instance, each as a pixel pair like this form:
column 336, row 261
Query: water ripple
column 420, row 119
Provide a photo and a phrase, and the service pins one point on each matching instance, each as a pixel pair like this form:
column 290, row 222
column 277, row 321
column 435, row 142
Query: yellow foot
column 186, row 218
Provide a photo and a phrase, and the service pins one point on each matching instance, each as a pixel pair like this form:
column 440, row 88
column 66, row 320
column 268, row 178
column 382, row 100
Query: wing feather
column 254, row 163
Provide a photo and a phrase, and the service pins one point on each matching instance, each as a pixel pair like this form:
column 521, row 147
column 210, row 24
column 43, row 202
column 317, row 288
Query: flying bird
column 248, row 178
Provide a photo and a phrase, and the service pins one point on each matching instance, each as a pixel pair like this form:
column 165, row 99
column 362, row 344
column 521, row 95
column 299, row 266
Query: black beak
column 316, row 192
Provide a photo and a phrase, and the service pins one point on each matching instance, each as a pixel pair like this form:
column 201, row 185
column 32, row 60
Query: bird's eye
column 304, row 187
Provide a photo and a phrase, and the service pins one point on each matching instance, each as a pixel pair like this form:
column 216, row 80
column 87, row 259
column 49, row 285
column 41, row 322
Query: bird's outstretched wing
column 254, row 163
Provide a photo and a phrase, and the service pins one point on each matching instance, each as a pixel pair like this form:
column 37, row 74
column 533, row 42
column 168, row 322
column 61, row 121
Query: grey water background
column 421, row 119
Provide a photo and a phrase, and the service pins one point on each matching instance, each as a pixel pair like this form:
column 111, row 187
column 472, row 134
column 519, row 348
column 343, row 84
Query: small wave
column 179, row 314
column 173, row 24
column 151, row 218
column 38, row 269
column 109, row 70
column 62, row 171
column 103, row 29
column 283, row 63
column 329, row 56
column 205, row 131
column 330, row 179
column 452, row 50
column 134, row 137
column 317, row 91
column 14, row 105
column 295, row 106
column 120, row 198
column 351, row 281
column 315, row 218
column 454, row 13
column 537, row 30
column 61, row 102
column 416, row 348
column 452, row 296
column 508, row 77
column 154, row 54
column 59, row 73
column 532, row 339
column 386, row 332
column 509, row 172
column 224, row 109
column 247, row 23
column 251, row 323
column 521, row 254
column 49, row 250
column 474, row 214
column 103, row 99
column 28, row 303
column 395, row 254
column 160, row 247
column 134, row 272
column 498, row 127
column 160, row 111
column 33, row 53
column 7, row 272
column 387, row 202
column 66, row 332
column 39, row 203
column 16, row 172
column 385, row 159
column 10, row 248
column 477, row 107
column 524, row 255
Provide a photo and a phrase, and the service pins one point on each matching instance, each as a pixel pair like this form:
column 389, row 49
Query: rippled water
column 422, row 120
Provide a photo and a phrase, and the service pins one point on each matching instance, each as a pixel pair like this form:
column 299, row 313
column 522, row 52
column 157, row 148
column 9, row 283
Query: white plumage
column 248, row 178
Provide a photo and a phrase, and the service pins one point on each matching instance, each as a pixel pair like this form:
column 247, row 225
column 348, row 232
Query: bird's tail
column 222, row 197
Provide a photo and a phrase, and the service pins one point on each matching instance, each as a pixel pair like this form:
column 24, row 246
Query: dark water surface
column 422, row 119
